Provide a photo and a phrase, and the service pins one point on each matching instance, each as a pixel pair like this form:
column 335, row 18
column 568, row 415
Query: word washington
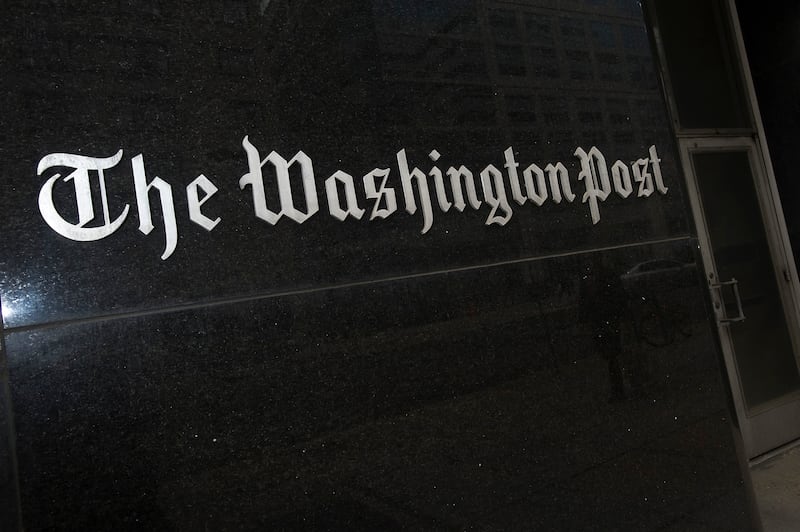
column 459, row 189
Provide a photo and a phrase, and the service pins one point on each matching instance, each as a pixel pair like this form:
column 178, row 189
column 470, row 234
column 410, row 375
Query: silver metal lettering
column 622, row 179
column 195, row 202
column 255, row 179
column 559, row 182
column 594, row 174
column 513, row 177
column 642, row 176
column 438, row 182
column 456, row 177
column 380, row 194
column 164, row 190
column 334, row 203
column 407, row 178
column 537, row 190
column 81, row 166
column 494, row 192
column 656, row 163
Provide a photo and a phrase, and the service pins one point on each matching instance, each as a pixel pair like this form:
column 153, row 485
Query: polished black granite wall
column 350, row 84
column 550, row 373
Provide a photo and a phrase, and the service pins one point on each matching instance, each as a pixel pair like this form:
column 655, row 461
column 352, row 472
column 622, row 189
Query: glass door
column 748, row 274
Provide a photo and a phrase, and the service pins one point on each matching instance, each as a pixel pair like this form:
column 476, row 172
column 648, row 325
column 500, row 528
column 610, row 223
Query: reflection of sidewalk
column 776, row 482
column 541, row 451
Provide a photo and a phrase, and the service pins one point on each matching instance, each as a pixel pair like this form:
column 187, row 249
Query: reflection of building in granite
column 541, row 80
column 550, row 70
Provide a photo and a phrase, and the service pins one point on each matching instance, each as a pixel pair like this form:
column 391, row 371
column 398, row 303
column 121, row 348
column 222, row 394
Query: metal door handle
column 734, row 284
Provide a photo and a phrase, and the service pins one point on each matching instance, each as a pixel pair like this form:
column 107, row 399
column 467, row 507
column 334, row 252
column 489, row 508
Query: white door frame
column 777, row 422
column 751, row 139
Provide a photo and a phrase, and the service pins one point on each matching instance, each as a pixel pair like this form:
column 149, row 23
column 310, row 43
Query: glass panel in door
column 762, row 345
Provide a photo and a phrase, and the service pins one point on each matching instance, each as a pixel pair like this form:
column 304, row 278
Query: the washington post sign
column 498, row 191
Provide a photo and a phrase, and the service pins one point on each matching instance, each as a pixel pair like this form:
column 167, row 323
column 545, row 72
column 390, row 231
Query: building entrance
column 750, row 283
column 741, row 232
